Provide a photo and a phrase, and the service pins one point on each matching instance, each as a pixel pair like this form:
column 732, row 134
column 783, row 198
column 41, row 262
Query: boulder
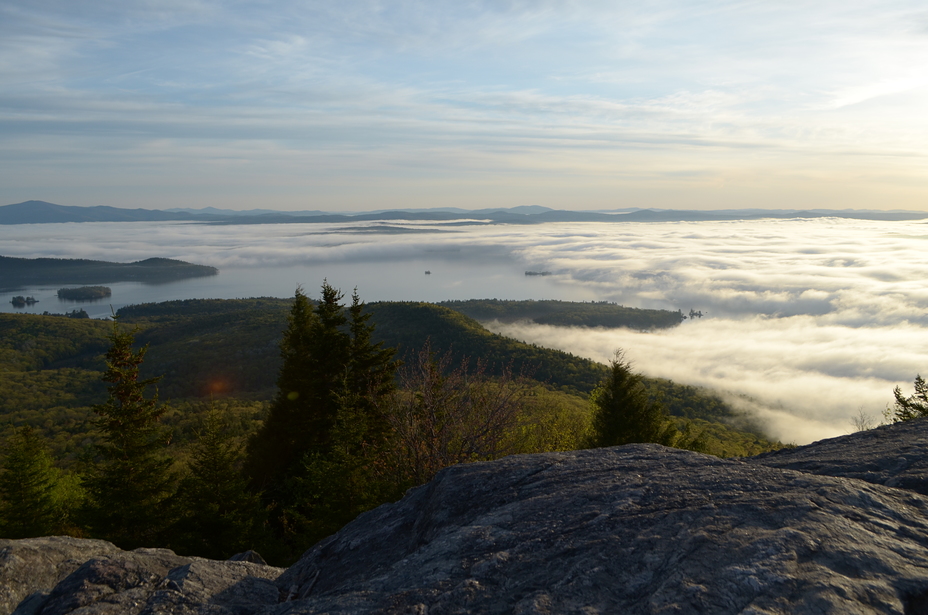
column 892, row 455
column 61, row 576
column 633, row 529
column 113, row 583
column 37, row 564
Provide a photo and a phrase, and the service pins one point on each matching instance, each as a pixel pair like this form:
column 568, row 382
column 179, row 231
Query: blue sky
column 369, row 105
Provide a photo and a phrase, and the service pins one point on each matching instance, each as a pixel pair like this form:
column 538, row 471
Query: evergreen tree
column 332, row 488
column 370, row 376
column 323, row 421
column 130, row 481
column 622, row 412
column 28, row 481
column 914, row 406
column 276, row 446
column 219, row 515
column 314, row 353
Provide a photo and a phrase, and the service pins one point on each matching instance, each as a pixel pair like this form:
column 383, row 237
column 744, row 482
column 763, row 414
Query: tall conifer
column 322, row 423
column 28, row 480
column 130, row 481
column 914, row 406
column 219, row 514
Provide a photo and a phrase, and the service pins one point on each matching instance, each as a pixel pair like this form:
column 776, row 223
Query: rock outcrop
column 892, row 455
column 38, row 564
column 60, row 575
column 634, row 529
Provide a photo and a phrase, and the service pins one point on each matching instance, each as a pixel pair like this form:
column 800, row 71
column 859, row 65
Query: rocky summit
column 840, row 526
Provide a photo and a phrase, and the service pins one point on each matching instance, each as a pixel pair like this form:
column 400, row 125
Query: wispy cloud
column 786, row 102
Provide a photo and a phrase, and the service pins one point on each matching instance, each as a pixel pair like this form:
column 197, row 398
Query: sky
column 807, row 323
column 363, row 105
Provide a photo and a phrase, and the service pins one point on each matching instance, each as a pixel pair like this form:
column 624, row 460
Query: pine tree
column 622, row 412
column 130, row 481
column 314, row 353
column 323, row 421
column 279, row 442
column 370, row 376
column 914, row 406
column 220, row 516
column 331, row 488
column 28, row 481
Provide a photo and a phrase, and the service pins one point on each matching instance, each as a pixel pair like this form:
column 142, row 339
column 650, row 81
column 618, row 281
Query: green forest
column 285, row 418
column 18, row 272
column 567, row 313
column 84, row 293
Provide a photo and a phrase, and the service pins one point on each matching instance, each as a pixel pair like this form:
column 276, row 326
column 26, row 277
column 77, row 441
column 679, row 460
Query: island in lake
column 20, row 301
column 20, row 272
column 85, row 293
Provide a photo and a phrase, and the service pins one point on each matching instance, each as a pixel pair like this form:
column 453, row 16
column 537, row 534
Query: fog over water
column 805, row 323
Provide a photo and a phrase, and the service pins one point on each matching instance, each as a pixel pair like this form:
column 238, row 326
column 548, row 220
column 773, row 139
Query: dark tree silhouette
column 622, row 412
column 323, row 426
column 219, row 515
column 130, row 481
column 914, row 406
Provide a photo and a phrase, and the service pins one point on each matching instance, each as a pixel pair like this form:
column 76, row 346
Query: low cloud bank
column 243, row 246
column 804, row 382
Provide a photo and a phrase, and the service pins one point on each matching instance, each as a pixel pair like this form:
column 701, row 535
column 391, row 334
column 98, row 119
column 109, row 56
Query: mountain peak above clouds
column 214, row 211
column 41, row 212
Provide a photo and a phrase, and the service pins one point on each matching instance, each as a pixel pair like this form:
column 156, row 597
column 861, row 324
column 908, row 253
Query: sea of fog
column 807, row 323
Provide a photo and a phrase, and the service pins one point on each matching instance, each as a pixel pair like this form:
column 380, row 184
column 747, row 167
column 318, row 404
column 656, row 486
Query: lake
column 375, row 281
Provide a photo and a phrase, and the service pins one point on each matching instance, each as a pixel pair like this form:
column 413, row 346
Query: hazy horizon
column 528, row 207
column 806, row 322
column 301, row 104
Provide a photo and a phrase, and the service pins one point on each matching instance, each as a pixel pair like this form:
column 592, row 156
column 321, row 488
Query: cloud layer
column 303, row 104
column 806, row 322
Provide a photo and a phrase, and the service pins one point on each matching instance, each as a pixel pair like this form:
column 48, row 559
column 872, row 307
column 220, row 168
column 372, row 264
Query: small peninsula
column 566, row 313
column 19, row 272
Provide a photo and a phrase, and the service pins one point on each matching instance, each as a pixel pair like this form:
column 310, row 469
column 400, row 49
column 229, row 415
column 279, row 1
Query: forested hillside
column 216, row 346
column 567, row 313
column 230, row 349
column 31, row 271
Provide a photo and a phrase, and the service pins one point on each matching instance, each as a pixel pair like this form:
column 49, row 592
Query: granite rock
column 634, row 529
column 892, row 455
column 37, row 564
column 64, row 576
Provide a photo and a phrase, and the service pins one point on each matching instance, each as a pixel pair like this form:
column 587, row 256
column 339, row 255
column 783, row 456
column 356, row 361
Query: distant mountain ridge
column 41, row 212
column 38, row 212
